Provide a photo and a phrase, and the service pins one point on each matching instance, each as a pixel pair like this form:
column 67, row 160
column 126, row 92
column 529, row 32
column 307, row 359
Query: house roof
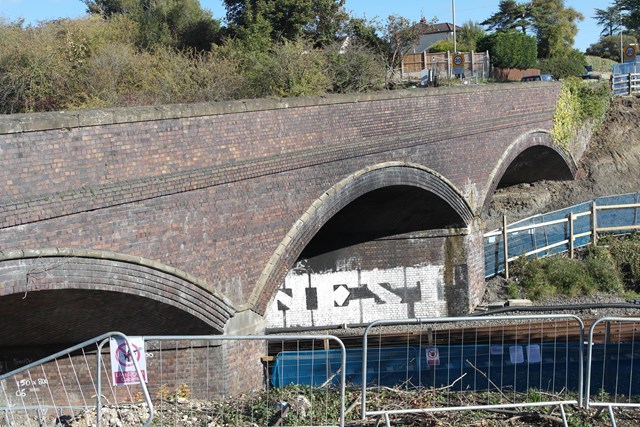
column 441, row 27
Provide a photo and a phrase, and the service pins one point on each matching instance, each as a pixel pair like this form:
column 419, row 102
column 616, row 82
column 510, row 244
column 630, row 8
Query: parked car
column 531, row 79
column 538, row 78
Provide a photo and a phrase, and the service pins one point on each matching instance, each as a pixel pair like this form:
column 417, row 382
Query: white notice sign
column 123, row 370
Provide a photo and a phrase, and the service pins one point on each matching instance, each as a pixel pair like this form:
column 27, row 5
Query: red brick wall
column 213, row 192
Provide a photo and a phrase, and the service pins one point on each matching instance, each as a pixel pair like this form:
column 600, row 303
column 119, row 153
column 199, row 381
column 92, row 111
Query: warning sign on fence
column 123, row 371
column 433, row 356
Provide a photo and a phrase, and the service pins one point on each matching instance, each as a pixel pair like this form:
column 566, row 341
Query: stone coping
column 64, row 120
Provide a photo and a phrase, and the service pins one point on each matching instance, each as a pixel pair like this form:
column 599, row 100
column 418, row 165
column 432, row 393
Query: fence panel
column 549, row 234
column 467, row 363
column 69, row 386
column 300, row 380
column 613, row 364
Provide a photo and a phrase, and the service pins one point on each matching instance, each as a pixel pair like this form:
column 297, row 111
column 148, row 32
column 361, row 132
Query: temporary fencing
column 560, row 231
column 625, row 79
column 613, row 364
column 200, row 371
column 404, row 367
column 465, row 363
column 69, row 384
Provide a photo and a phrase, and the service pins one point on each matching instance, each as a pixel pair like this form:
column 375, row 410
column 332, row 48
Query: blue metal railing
column 550, row 233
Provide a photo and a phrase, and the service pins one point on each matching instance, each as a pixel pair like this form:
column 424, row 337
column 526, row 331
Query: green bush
column 510, row 49
column 563, row 66
column 626, row 253
column 602, row 268
column 354, row 68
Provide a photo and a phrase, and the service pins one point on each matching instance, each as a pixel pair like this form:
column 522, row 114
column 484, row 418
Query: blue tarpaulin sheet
column 552, row 367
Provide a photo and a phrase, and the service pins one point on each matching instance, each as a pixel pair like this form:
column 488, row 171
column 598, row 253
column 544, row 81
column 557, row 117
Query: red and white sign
column 123, row 371
column 433, row 356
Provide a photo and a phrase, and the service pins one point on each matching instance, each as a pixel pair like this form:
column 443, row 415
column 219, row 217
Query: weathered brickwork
column 206, row 194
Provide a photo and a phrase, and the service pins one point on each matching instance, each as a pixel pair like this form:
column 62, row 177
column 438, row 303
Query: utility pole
column 453, row 11
column 621, row 48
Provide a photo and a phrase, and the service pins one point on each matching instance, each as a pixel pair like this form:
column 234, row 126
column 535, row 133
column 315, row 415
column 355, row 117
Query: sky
column 465, row 10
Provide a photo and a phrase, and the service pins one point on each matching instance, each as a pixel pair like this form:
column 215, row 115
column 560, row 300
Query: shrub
column 290, row 69
column 626, row 253
column 563, row 66
column 602, row 268
column 510, row 49
column 354, row 69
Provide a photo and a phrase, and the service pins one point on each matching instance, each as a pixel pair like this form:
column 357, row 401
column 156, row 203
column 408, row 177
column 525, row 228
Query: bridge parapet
column 213, row 189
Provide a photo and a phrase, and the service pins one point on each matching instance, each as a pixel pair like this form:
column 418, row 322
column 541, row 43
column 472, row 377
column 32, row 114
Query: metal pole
column 505, row 241
column 621, row 52
column 453, row 10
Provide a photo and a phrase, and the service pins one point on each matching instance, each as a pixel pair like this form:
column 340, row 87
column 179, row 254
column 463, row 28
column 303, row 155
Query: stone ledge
column 64, row 120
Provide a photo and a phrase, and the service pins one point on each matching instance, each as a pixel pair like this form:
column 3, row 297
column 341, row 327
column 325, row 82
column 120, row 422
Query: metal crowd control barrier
column 613, row 365
column 66, row 386
column 190, row 375
column 475, row 363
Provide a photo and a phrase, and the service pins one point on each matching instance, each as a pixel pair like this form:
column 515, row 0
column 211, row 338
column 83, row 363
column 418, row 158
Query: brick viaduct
column 236, row 216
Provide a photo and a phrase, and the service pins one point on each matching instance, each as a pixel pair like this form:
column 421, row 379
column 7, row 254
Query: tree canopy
column 552, row 23
column 555, row 27
column 511, row 15
column 177, row 23
column 320, row 20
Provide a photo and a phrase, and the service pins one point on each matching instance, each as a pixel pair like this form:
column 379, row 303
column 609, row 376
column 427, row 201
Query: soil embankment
column 610, row 165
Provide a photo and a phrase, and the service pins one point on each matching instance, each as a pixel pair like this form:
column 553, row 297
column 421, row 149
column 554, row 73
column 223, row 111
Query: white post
column 453, row 9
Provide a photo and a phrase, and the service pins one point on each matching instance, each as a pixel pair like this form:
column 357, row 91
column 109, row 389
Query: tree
column 610, row 19
column 510, row 49
column 320, row 20
column 609, row 46
column 631, row 14
column 175, row 23
column 510, row 16
column 555, row 27
column 469, row 35
column 399, row 35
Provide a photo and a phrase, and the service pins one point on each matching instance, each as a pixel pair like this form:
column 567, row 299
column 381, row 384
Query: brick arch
column 27, row 271
column 337, row 198
column 537, row 141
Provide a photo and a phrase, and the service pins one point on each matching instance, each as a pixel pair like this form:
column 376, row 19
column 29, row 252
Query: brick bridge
column 237, row 216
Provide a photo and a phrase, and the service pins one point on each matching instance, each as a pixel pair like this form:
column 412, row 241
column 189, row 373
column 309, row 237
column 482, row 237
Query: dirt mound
column 610, row 165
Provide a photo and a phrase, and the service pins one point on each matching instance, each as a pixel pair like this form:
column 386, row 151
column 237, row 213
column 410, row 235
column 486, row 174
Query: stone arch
column 522, row 162
column 337, row 198
column 142, row 288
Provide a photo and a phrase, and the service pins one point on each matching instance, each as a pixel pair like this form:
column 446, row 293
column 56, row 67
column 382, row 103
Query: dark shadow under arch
column 386, row 194
column 532, row 157
column 70, row 295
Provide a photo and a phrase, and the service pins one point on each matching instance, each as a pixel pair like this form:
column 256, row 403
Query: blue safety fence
column 548, row 367
column 624, row 79
column 533, row 236
column 388, row 365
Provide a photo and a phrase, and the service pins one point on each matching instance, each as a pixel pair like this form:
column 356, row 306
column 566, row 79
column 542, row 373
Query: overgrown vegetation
column 611, row 267
column 580, row 102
